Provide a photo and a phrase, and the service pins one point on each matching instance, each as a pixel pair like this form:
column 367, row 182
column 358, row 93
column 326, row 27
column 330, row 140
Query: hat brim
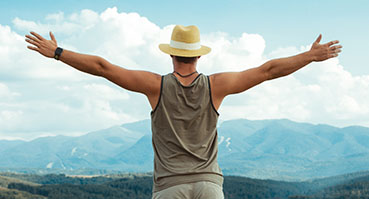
column 166, row 48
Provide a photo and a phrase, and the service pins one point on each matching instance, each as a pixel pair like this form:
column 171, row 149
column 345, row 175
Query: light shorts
column 196, row 190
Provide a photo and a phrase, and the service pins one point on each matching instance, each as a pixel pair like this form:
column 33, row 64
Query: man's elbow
column 267, row 70
column 101, row 67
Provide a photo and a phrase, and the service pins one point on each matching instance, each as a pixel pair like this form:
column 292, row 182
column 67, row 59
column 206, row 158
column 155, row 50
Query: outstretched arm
column 139, row 81
column 224, row 84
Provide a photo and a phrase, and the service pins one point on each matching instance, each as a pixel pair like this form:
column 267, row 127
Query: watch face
column 58, row 52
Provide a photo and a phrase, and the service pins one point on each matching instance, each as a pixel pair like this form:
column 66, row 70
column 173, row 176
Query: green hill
column 6, row 180
column 55, row 186
column 348, row 188
column 6, row 193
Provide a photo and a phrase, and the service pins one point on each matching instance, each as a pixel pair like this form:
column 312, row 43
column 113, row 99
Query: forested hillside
column 55, row 186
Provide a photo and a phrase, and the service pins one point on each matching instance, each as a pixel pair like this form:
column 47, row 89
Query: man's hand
column 321, row 52
column 43, row 46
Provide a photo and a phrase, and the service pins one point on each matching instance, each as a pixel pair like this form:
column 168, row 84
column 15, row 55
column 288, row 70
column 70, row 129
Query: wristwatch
column 58, row 52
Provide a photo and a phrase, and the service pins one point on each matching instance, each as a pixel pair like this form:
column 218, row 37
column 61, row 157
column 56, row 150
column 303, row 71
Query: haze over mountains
column 273, row 149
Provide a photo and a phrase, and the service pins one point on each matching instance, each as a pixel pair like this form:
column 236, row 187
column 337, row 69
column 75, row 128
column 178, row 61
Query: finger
column 32, row 38
column 32, row 48
column 37, row 35
column 319, row 38
column 333, row 55
column 332, row 43
column 52, row 37
column 335, row 49
column 32, row 42
column 332, row 48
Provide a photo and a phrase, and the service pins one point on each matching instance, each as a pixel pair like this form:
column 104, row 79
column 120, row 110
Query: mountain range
column 264, row 149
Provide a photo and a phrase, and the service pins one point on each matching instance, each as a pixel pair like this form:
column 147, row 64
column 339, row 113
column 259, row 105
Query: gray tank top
column 184, row 134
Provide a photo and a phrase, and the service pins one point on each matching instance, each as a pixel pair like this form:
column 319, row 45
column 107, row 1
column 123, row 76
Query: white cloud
column 8, row 115
column 319, row 93
column 49, row 97
column 105, row 92
column 232, row 54
column 5, row 92
column 74, row 107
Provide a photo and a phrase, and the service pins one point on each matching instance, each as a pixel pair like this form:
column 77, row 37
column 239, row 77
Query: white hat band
column 185, row 46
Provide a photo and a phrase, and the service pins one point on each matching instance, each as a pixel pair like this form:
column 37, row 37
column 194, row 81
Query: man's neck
column 185, row 73
column 184, row 68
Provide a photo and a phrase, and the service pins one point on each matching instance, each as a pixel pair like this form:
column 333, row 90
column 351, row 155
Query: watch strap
column 58, row 53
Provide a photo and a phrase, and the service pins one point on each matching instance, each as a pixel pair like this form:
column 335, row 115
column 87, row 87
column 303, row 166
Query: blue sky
column 41, row 97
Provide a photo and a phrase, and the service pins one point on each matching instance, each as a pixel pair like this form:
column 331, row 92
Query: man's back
column 184, row 134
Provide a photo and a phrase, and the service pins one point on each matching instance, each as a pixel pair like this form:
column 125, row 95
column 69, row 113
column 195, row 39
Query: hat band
column 185, row 46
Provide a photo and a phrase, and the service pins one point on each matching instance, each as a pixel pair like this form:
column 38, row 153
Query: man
column 184, row 105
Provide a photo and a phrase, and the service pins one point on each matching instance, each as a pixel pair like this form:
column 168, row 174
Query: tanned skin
column 148, row 83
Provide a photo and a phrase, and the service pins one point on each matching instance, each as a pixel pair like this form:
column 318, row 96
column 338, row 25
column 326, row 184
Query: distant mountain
column 282, row 149
column 93, row 150
column 140, row 153
column 5, row 144
column 266, row 149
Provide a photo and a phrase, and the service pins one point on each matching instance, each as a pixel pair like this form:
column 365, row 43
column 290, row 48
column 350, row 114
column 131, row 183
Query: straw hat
column 185, row 42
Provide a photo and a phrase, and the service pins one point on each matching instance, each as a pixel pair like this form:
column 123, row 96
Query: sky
column 42, row 97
